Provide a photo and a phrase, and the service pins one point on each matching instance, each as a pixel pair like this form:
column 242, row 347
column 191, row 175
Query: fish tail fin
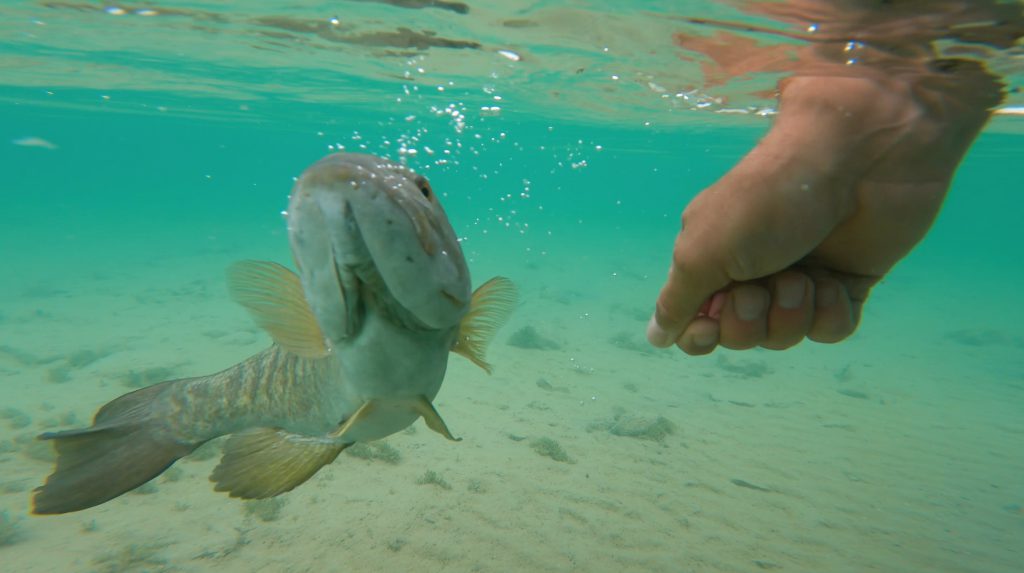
column 127, row 445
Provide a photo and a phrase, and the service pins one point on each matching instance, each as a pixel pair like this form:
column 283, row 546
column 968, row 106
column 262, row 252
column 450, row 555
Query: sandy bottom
column 899, row 450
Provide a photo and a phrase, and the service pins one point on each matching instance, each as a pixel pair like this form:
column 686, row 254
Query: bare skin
column 871, row 127
column 789, row 243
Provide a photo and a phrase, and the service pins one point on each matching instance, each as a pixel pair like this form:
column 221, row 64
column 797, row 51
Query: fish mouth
column 369, row 235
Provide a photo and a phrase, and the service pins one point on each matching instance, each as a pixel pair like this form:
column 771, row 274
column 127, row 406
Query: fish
column 362, row 331
column 32, row 141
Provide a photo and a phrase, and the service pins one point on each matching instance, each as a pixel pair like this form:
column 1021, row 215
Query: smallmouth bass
column 362, row 333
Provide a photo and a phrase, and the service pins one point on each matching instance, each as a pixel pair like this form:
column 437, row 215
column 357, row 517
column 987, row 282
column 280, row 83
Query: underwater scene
column 267, row 331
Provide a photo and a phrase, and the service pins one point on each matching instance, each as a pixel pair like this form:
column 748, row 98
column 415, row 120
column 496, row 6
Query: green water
column 173, row 143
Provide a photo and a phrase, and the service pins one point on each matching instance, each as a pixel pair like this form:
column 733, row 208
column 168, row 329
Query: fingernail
column 704, row 339
column 656, row 336
column 790, row 292
column 750, row 305
column 826, row 295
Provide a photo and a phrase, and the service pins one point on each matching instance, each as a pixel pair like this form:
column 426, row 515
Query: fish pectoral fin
column 433, row 420
column 489, row 310
column 274, row 297
column 263, row 462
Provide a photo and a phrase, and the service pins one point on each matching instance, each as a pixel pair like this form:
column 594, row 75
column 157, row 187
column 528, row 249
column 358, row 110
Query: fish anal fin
column 433, row 420
column 263, row 462
column 274, row 297
column 489, row 309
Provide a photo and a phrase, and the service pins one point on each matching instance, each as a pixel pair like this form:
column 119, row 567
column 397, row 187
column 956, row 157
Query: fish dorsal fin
column 274, row 297
column 263, row 462
column 489, row 309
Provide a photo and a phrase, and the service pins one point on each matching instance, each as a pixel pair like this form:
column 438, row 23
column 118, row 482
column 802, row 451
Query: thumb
column 695, row 275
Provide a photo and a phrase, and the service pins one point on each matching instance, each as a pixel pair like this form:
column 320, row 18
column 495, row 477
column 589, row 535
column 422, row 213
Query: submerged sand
column 900, row 450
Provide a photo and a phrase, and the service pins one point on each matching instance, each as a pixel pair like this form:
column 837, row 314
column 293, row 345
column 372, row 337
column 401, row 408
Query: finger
column 744, row 321
column 792, row 310
column 700, row 337
column 692, row 279
column 834, row 317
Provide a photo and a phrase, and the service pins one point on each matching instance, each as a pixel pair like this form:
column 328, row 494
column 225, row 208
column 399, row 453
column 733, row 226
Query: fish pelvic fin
column 433, row 420
column 126, row 446
column 420, row 405
column 360, row 415
column 274, row 297
column 264, row 462
column 489, row 310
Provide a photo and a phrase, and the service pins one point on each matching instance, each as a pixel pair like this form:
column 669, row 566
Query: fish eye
column 424, row 186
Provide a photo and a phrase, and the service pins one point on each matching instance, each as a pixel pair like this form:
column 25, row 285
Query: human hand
column 788, row 244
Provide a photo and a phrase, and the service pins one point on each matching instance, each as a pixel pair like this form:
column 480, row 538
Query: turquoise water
column 900, row 449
